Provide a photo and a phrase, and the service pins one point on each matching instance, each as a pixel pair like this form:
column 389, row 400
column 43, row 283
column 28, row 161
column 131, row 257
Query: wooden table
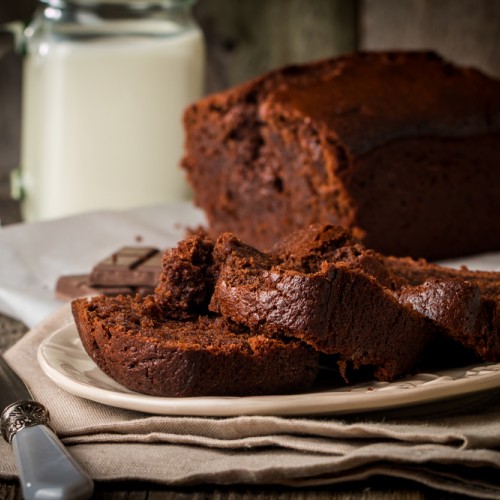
column 380, row 488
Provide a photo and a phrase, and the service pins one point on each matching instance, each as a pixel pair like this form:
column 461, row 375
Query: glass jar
column 105, row 86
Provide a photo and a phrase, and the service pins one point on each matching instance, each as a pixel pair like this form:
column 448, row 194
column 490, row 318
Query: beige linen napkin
column 456, row 452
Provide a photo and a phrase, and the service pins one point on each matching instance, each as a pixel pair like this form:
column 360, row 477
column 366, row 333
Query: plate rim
column 341, row 401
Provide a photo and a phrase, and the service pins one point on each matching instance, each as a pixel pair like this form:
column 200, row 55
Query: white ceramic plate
column 63, row 358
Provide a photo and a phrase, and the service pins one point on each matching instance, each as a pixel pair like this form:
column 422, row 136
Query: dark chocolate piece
column 78, row 285
column 129, row 266
column 128, row 271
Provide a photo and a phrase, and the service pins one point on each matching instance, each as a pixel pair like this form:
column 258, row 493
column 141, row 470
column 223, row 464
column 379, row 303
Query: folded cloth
column 33, row 256
column 454, row 451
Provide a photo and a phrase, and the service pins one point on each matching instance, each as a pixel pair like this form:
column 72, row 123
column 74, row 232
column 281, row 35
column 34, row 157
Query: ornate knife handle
column 20, row 415
column 46, row 470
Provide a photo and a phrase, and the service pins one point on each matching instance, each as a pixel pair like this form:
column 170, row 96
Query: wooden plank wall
column 247, row 37
column 465, row 31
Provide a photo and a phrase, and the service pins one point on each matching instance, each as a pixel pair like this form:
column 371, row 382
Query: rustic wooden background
column 247, row 37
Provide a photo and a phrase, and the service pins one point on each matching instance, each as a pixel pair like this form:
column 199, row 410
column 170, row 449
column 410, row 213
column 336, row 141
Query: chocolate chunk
column 128, row 271
column 73, row 286
column 129, row 266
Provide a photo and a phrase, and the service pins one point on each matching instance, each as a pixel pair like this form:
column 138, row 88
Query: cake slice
column 135, row 343
column 466, row 304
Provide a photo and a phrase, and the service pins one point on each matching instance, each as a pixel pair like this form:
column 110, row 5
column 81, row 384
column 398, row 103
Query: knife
column 46, row 469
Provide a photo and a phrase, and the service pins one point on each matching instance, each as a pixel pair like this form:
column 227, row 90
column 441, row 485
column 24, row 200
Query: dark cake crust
column 399, row 147
column 142, row 349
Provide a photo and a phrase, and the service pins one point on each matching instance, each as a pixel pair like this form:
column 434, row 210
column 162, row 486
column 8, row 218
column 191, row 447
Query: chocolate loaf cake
column 399, row 147
column 139, row 346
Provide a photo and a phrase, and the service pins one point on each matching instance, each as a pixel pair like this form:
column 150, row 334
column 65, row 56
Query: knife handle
column 46, row 469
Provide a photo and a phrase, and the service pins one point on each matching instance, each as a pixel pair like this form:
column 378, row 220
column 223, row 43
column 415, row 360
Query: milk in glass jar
column 105, row 86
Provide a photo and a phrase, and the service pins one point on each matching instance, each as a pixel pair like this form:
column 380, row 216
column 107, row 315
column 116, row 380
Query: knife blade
column 46, row 469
